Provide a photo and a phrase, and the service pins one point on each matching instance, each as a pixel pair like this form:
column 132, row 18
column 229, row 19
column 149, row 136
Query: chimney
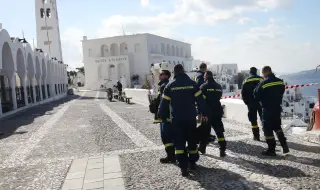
column 85, row 38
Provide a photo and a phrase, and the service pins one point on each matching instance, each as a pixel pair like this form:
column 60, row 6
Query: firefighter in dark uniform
column 166, row 128
column 181, row 94
column 270, row 93
column 212, row 93
column 253, row 105
column 202, row 130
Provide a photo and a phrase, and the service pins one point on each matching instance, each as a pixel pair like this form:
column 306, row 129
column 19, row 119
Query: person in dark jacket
column 199, row 78
column 119, row 87
column 200, row 74
column 253, row 105
column 167, row 132
column 270, row 93
column 212, row 93
column 181, row 94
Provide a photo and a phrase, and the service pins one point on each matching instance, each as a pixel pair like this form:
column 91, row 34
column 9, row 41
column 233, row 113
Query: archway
column 168, row 50
column 43, row 79
column 20, row 80
column 37, row 81
column 114, row 50
column 177, row 51
column 30, row 85
column 104, row 50
column 48, row 79
column 173, row 51
column 123, row 48
column 5, row 87
column 112, row 75
column 163, row 49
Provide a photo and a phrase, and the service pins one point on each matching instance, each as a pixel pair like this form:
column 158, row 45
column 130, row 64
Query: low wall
column 235, row 109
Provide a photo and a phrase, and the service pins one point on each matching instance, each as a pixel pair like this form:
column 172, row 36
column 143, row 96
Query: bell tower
column 48, row 32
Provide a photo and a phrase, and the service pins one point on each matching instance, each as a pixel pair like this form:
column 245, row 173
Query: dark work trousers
column 185, row 131
column 271, row 120
column 167, row 134
column 217, row 125
column 253, row 109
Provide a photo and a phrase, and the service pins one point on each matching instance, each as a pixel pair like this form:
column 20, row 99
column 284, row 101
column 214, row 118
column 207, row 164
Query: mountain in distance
column 304, row 77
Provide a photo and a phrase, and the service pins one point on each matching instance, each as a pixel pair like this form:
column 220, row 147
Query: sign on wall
column 111, row 60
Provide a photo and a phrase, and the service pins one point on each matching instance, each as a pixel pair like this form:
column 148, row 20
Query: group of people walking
column 183, row 101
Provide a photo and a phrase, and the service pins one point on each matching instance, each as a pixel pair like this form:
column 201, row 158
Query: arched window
column 48, row 13
column 163, row 51
column 168, row 50
column 173, row 51
column 114, row 50
column 104, row 50
column 123, row 48
column 42, row 12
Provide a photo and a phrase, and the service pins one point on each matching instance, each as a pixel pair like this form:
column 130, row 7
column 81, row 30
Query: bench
column 127, row 99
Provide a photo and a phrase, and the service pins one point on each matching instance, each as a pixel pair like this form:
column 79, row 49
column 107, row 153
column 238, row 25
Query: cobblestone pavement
column 87, row 142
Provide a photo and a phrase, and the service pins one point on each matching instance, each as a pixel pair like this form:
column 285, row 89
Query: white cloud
column 144, row 3
column 71, row 47
column 259, row 45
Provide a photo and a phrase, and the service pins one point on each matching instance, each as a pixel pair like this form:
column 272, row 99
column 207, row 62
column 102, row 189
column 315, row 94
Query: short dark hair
column 253, row 70
column 178, row 69
column 203, row 66
column 266, row 69
column 166, row 72
column 209, row 74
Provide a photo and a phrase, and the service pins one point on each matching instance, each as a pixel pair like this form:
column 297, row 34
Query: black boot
column 168, row 160
column 171, row 158
column 271, row 151
column 256, row 134
column 184, row 172
column 283, row 142
column 202, row 148
column 192, row 166
column 223, row 145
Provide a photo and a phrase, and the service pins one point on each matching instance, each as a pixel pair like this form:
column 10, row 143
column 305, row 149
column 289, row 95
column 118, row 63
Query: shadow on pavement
column 280, row 171
column 217, row 178
column 305, row 148
column 9, row 125
column 255, row 150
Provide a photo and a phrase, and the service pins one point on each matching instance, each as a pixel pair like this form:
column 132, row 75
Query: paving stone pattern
column 87, row 142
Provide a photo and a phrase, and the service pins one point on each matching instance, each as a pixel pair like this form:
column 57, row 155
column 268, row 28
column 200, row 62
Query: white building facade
column 108, row 60
column 27, row 77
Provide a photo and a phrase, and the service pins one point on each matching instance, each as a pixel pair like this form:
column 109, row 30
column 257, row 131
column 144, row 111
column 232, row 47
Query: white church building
column 31, row 76
column 107, row 60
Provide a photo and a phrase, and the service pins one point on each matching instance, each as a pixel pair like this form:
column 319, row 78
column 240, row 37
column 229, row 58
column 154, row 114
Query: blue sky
column 280, row 33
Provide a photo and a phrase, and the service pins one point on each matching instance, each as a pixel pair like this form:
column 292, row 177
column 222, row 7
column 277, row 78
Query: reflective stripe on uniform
column 204, row 97
column 213, row 90
column 255, row 127
column 179, row 151
column 252, row 79
column 273, row 84
column 220, row 139
column 181, row 88
column 168, row 145
column 269, row 137
column 157, row 121
column 197, row 93
column 166, row 97
column 193, row 151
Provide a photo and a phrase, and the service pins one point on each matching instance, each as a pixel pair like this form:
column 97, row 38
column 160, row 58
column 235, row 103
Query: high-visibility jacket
column 212, row 93
column 270, row 93
column 248, row 86
column 181, row 94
